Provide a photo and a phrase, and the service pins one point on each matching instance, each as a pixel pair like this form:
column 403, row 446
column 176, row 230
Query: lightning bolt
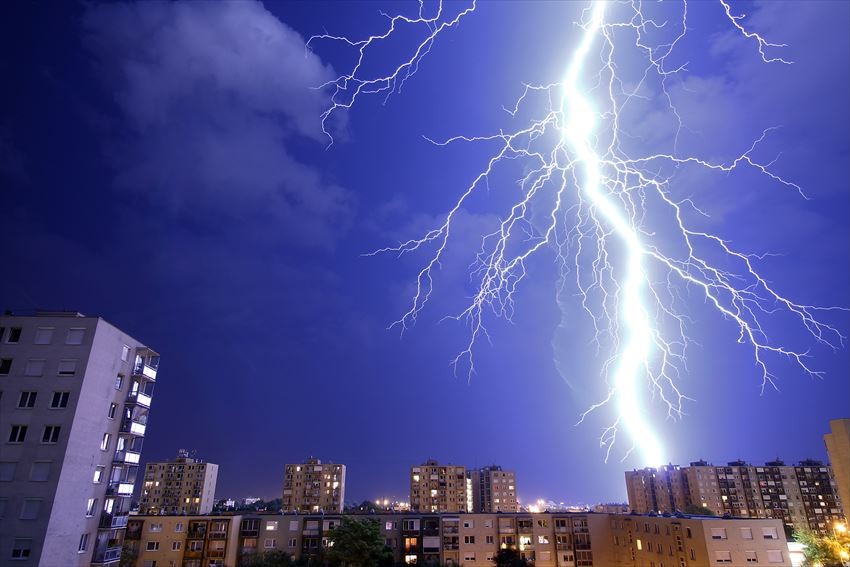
column 600, row 204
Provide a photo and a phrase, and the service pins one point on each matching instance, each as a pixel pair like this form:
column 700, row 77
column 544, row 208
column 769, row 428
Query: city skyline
column 207, row 196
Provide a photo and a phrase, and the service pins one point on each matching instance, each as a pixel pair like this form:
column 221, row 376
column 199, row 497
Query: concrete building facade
column 314, row 487
column 439, row 488
column 838, row 448
column 801, row 496
column 471, row 540
column 493, row 490
column 76, row 392
column 185, row 485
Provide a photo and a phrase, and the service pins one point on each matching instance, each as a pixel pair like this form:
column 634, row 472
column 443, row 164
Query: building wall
column 493, row 490
column 472, row 540
column 183, row 486
column 93, row 394
column 838, row 448
column 438, row 488
column 313, row 486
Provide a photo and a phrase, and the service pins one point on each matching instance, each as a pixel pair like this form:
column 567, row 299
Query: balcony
column 133, row 427
column 128, row 457
column 113, row 521
column 140, row 398
column 110, row 555
column 120, row 489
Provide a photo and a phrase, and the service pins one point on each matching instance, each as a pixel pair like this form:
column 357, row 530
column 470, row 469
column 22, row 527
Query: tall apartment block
column 74, row 398
column 185, row 485
column 803, row 495
column 438, row 488
column 472, row 540
column 838, row 449
column 493, row 490
column 314, row 487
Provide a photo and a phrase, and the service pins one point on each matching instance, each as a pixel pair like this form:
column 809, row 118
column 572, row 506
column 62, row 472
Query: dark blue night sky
column 162, row 165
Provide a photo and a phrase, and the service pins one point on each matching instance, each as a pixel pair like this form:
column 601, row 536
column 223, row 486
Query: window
column 194, row 545
column 746, row 533
column 178, row 527
column 155, row 527
column 489, row 539
column 293, row 525
column 469, row 556
column 75, row 336
column 125, row 353
column 104, row 443
column 35, row 367
column 21, row 548
column 542, row 539
column 468, row 524
column 469, row 539
column 44, row 335
column 14, row 335
column 775, row 556
column 751, row 557
column 17, row 434
column 271, row 526
column 688, row 533
column 7, row 471
column 718, row 533
column 723, row 557
column 111, row 413
column 84, row 543
column 119, row 381
column 30, row 509
column 488, row 523
column 175, row 545
column 270, row 544
column 292, row 542
column 67, row 367
column 27, row 400
column 5, row 368
column 40, row 471
column 51, row 434
column 91, row 506
column 154, row 546
column 769, row 533
column 60, row 400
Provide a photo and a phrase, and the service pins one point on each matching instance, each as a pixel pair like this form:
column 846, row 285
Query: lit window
column 125, row 353
column 111, row 413
column 91, row 504
column 104, row 443
column 271, row 526
column 119, row 381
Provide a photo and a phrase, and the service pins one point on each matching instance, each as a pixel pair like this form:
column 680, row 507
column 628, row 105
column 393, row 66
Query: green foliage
column 358, row 543
column 695, row 510
column 510, row 558
column 825, row 551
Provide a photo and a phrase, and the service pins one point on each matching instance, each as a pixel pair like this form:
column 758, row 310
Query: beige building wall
column 838, row 447
column 183, row 541
column 438, row 488
column 183, row 486
column 314, row 487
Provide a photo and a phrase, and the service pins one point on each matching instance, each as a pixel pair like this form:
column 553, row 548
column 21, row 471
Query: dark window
column 60, row 400
column 14, row 335
column 27, row 400
column 17, row 434
column 5, row 365
column 51, row 434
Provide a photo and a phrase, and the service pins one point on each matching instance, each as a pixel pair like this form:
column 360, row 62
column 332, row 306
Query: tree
column 695, row 510
column 510, row 558
column 825, row 551
column 358, row 543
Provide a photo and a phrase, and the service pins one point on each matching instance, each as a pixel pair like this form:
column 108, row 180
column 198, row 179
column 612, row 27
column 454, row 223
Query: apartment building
column 75, row 393
column 493, row 490
column 838, row 448
column 314, row 487
column 801, row 496
column 185, row 485
column 472, row 540
column 439, row 488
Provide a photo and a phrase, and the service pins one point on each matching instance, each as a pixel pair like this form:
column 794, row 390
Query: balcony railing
column 140, row 398
column 142, row 369
column 113, row 521
column 128, row 457
column 119, row 488
column 111, row 555
column 133, row 427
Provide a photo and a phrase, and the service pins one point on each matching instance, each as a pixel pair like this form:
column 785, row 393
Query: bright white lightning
column 598, row 197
